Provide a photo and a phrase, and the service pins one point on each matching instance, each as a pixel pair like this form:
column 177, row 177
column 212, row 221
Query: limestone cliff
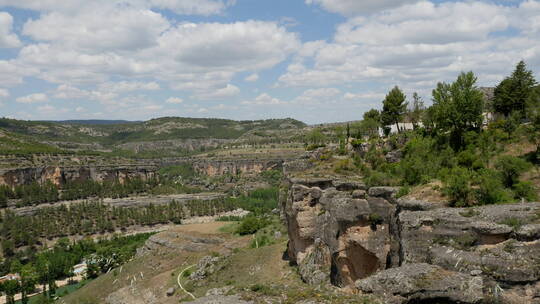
column 345, row 234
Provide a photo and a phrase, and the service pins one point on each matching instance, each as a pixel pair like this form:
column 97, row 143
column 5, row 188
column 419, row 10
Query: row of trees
column 455, row 146
column 458, row 107
column 36, row 193
column 96, row 217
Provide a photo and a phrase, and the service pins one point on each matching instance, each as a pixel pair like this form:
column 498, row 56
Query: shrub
column 457, row 187
column 403, row 191
column 251, row 225
column 526, row 190
column 376, row 178
column 511, row 168
column 491, row 189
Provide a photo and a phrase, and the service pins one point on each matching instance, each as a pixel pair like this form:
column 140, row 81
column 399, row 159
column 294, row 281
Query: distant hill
column 93, row 122
column 175, row 134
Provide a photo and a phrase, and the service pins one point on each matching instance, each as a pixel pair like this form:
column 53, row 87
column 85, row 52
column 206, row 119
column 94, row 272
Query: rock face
column 421, row 282
column 344, row 234
column 246, row 166
column 59, row 175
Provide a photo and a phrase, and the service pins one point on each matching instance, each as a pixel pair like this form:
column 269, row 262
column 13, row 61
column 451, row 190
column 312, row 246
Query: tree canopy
column 458, row 108
column 394, row 107
column 515, row 92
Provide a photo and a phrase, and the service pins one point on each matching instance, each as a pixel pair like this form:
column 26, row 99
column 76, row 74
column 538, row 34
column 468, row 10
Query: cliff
column 409, row 251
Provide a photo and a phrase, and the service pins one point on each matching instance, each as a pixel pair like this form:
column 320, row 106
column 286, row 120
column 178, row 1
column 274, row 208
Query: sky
column 313, row 60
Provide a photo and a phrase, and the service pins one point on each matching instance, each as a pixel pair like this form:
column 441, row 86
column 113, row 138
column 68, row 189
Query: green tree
column 28, row 281
column 457, row 108
column 416, row 110
column 515, row 92
column 316, row 137
column 394, row 107
column 371, row 123
column 11, row 288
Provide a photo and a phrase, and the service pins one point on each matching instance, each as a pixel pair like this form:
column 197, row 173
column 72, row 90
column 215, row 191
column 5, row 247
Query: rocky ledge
column 409, row 251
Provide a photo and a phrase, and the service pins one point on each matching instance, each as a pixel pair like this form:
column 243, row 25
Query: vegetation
column 57, row 263
column 394, row 107
column 455, row 143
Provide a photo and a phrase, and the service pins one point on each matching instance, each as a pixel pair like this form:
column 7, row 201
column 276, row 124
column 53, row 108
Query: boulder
column 423, row 282
column 170, row 292
column 384, row 192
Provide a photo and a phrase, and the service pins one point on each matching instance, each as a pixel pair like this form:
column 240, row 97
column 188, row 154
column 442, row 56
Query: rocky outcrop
column 421, row 282
column 343, row 233
column 234, row 167
column 60, row 175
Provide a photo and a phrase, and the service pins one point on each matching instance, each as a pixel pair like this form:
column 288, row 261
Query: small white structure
column 403, row 126
column 80, row 269
column 10, row 277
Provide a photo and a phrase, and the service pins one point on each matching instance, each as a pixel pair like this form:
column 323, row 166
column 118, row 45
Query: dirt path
column 180, row 284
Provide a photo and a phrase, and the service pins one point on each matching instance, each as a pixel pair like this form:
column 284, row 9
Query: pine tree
column 515, row 92
column 394, row 107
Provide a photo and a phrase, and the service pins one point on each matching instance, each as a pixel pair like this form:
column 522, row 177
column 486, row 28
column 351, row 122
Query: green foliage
column 514, row 93
column 251, row 224
column 273, row 177
column 511, row 168
column 458, row 108
column 526, row 190
column 394, row 107
column 316, row 137
column 405, row 190
column 259, row 201
column 491, row 189
column 184, row 171
column 457, row 187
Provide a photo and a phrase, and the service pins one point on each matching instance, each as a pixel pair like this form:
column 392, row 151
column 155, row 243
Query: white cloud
column 252, row 78
column 227, row 91
column 357, row 7
column 315, row 96
column 8, row 39
column 129, row 86
column 174, row 100
column 361, row 96
column 182, row 7
column 65, row 91
column 102, row 29
column 33, row 98
column 229, row 47
column 417, row 45
column 190, row 7
column 264, row 100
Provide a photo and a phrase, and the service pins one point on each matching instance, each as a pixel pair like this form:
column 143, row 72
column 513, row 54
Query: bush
column 251, row 225
column 403, row 191
column 526, row 190
column 511, row 168
column 490, row 188
column 457, row 187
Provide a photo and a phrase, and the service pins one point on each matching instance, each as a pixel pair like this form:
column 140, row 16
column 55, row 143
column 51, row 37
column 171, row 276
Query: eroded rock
column 423, row 282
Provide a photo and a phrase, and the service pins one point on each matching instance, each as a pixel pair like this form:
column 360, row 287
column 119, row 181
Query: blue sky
column 313, row 60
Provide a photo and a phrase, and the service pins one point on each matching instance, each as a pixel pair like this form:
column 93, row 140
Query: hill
column 169, row 135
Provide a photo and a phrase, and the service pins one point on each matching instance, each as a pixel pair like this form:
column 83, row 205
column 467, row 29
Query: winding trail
column 180, row 284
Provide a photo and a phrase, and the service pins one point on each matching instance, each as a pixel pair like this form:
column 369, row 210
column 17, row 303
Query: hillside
column 173, row 135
